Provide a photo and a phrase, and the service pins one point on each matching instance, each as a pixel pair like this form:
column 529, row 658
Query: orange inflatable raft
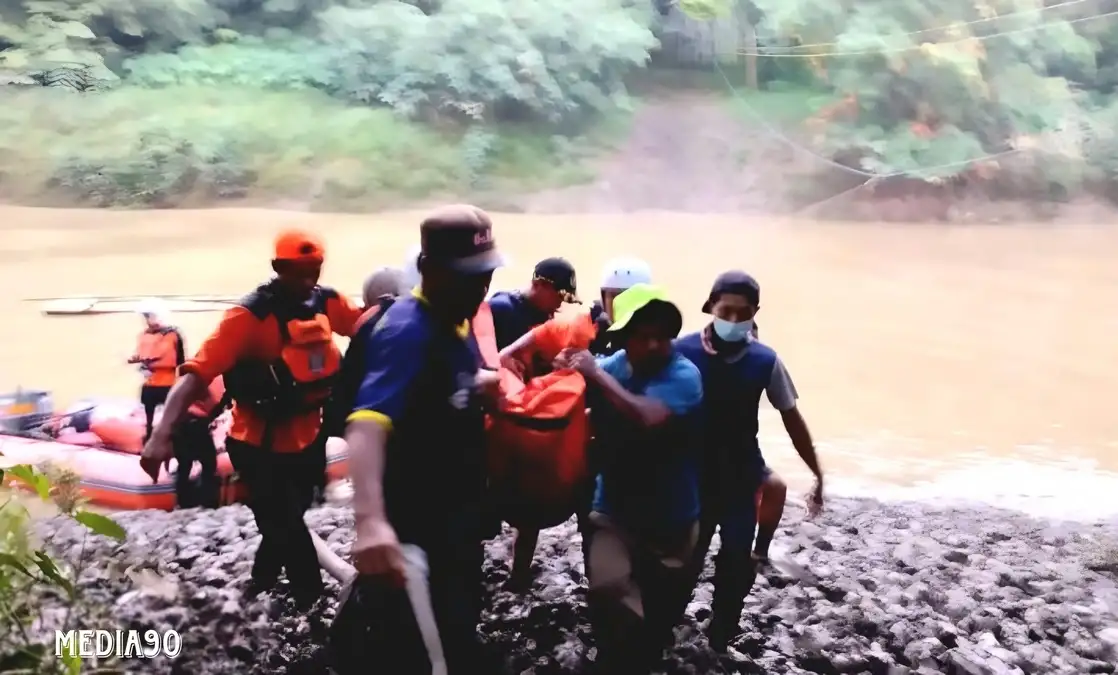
column 100, row 443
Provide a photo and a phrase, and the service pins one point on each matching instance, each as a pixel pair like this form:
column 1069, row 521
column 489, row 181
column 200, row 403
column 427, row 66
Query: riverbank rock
column 890, row 588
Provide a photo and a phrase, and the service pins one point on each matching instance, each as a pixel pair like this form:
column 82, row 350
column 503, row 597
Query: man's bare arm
column 367, row 441
column 643, row 410
column 183, row 394
column 800, row 436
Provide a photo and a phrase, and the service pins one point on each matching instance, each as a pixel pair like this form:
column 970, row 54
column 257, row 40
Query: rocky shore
column 870, row 587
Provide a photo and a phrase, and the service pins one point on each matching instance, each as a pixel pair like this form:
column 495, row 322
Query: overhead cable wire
column 959, row 24
column 912, row 48
column 868, row 175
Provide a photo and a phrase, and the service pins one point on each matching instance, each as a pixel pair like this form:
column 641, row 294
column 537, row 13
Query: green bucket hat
column 645, row 299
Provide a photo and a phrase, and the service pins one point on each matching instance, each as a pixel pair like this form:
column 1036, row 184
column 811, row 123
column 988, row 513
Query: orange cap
column 299, row 245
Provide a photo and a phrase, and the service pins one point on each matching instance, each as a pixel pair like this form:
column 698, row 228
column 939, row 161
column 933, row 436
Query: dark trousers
column 732, row 510
column 193, row 442
column 318, row 452
column 640, row 583
column 377, row 622
column 454, row 579
column 527, row 537
column 151, row 398
column 280, row 489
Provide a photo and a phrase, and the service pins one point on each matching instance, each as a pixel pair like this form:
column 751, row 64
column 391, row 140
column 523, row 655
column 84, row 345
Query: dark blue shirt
column 733, row 388
column 732, row 462
column 420, row 384
column 650, row 477
column 513, row 316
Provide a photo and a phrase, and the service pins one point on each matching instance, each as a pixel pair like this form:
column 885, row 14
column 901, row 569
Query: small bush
column 248, row 62
column 131, row 147
column 30, row 577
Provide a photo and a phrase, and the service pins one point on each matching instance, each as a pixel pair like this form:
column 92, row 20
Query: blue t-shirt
column 420, row 383
column 650, row 477
column 734, row 388
column 733, row 467
column 513, row 317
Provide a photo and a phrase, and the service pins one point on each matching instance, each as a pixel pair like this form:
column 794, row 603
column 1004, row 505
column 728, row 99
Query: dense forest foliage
column 927, row 88
column 141, row 101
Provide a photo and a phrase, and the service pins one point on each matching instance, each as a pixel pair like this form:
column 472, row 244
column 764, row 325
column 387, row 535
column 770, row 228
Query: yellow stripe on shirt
column 463, row 329
column 371, row 416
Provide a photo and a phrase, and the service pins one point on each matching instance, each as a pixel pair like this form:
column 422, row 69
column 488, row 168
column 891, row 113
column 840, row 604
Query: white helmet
column 155, row 308
column 623, row 273
column 411, row 277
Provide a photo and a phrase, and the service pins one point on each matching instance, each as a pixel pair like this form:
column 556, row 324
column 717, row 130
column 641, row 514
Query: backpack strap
column 225, row 402
column 264, row 302
column 180, row 347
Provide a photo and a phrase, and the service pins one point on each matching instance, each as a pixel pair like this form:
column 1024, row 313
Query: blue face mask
column 732, row 332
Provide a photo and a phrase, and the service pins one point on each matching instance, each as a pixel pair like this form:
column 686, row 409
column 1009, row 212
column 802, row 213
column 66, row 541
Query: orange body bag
column 537, row 447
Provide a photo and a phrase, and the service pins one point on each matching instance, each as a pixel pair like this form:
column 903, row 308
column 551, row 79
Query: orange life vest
column 300, row 380
column 160, row 352
column 537, row 447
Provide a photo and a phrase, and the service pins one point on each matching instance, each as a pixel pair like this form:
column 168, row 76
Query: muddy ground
column 869, row 588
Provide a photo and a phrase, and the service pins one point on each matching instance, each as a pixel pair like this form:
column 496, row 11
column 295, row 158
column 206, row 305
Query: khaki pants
column 640, row 584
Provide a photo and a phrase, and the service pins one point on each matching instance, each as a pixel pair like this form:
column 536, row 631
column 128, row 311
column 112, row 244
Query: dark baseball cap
column 460, row 236
column 737, row 283
column 560, row 274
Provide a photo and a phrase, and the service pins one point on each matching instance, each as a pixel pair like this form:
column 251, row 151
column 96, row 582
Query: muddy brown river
column 981, row 358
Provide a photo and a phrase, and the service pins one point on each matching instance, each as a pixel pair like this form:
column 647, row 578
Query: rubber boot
column 734, row 574
column 621, row 639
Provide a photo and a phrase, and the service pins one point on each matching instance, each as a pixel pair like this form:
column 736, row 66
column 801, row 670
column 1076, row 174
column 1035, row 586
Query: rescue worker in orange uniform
column 159, row 353
column 277, row 355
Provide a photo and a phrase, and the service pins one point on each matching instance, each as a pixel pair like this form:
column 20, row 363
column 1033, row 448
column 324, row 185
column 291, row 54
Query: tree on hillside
column 930, row 86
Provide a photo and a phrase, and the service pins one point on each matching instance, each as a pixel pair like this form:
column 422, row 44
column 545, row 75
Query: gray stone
column 868, row 585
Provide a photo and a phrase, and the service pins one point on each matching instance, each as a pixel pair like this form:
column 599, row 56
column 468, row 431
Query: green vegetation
column 367, row 102
column 128, row 147
column 31, row 579
column 923, row 90
column 781, row 106
column 137, row 102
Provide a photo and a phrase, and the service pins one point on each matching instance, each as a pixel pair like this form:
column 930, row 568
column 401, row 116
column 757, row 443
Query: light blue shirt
column 655, row 483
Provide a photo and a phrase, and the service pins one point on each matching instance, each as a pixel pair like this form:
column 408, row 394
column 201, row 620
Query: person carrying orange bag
column 575, row 327
column 578, row 327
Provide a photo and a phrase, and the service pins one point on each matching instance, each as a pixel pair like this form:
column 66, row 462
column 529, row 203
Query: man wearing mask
column 644, row 521
column 276, row 355
column 736, row 369
column 417, row 451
